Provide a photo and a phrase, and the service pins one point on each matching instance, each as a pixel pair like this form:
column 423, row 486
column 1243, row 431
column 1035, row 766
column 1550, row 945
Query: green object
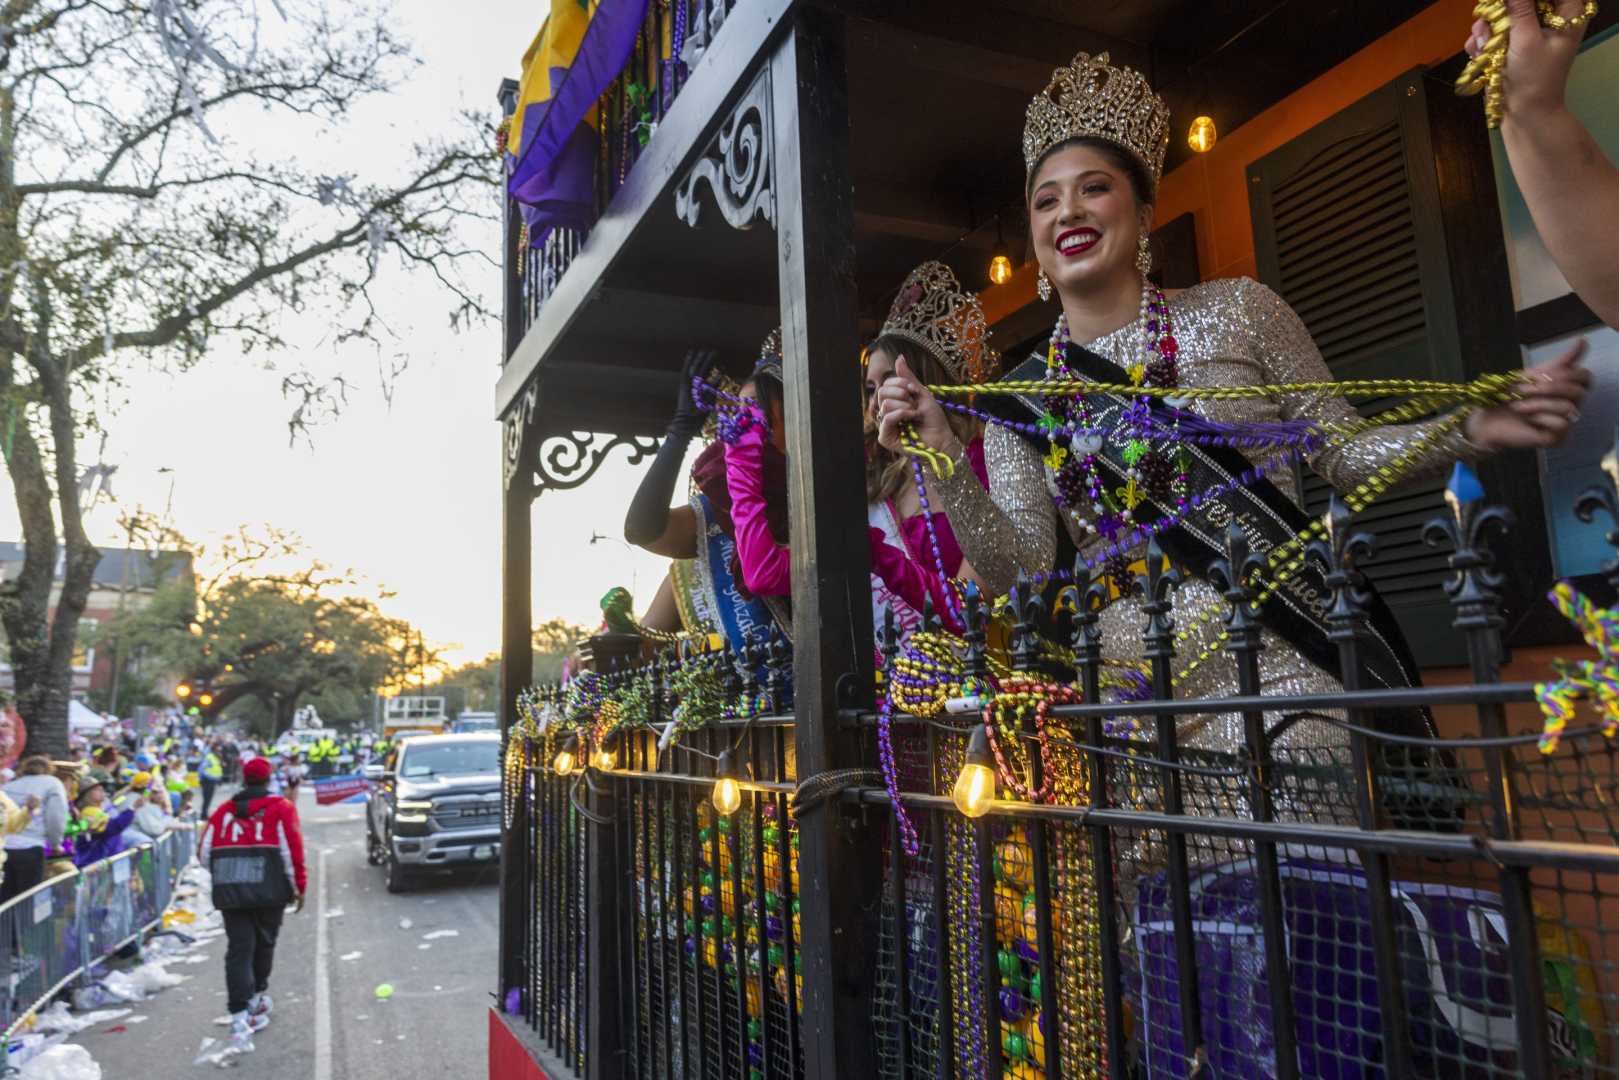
column 618, row 610
column 795, row 907
column 771, row 835
column 726, row 926
column 725, row 824
column 1007, row 962
column 385, row 991
column 775, row 956
column 1034, row 988
column 1133, row 451
column 708, row 926
column 1015, row 1045
column 1000, row 869
column 704, row 835
column 755, row 1029
column 707, row 880
column 772, row 901
column 691, row 927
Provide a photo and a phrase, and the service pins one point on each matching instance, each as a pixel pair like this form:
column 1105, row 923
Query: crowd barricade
column 56, row 932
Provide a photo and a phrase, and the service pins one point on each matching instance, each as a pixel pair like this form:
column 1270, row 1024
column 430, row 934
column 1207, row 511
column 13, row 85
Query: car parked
column 434, row 805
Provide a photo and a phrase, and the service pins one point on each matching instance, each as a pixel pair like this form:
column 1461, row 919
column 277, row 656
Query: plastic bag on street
column 222, row 1052
column 59, row 1018
column 63, row 1062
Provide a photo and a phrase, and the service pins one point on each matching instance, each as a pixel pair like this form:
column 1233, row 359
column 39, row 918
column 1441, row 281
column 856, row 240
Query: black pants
column 208, row 787
column 250, row 935
column 25, row 868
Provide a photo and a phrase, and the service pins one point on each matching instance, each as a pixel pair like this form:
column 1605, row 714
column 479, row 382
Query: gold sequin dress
column 1230, row 332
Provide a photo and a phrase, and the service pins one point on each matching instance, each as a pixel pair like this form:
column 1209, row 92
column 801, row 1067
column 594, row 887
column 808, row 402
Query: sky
column 406, row 492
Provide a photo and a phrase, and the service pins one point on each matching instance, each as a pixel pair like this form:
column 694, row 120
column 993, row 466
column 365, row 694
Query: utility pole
column 123, row 592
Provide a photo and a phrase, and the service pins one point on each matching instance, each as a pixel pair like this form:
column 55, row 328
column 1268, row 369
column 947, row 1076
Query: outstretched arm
column 1571, row 187
column 651, row 523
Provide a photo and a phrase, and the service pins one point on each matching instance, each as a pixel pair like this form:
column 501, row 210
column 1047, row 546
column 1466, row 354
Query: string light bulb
column 975, row 784
column 1200, row 137
column 1000, row 264
column 727, row 792
column 606, row 756
column 563, row 762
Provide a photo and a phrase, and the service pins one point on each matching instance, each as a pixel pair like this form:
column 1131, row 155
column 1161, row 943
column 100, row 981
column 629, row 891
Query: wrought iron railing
column 1309, row 896
column 672, row 41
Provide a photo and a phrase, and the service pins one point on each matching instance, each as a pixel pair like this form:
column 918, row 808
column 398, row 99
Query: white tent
column 81, row 719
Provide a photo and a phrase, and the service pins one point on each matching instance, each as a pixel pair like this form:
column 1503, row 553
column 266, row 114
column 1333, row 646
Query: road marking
column 323, row 980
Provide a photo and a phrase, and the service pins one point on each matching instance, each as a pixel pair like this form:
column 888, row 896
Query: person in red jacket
column 253, row 847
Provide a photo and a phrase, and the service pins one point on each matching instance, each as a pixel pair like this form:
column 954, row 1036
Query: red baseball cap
column 256, row 770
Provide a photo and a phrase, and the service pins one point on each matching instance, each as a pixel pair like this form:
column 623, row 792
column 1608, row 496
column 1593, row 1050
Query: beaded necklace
column 1155, row 462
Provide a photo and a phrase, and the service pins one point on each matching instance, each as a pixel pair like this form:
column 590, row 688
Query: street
column 434, row 945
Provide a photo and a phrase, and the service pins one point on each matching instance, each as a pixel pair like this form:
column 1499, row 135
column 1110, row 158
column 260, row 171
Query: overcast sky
column 408, row 494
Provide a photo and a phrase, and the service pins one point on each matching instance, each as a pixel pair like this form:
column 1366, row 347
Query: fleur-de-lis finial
column 1026, row 615
column 1475, row 587
column 1339, row 555
column 973, row 633
column 1156, row 588
column 1234, row 576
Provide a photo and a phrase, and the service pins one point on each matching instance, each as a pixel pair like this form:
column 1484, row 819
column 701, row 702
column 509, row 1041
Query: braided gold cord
column 1491, row 389
column 1486, row 72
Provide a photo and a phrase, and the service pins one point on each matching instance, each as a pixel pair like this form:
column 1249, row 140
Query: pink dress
column 902, row 561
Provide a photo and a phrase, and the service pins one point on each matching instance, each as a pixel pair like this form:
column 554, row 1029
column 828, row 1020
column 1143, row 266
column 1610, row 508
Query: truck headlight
column 410, row 812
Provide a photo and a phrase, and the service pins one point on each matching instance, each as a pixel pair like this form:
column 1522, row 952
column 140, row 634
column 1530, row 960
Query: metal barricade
column 57, row 931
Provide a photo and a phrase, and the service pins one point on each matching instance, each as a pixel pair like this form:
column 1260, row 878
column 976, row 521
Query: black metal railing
column 1306, row 895
column 673, row 39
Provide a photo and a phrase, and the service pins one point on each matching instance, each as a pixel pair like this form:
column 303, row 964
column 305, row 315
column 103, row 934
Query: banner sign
column 335, row 789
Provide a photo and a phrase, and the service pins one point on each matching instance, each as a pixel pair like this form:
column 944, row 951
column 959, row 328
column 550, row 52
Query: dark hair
column 35, row 765
column 767, row 388
column 1122, row 159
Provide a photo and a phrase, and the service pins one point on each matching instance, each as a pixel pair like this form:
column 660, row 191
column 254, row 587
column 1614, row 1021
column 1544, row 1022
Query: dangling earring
column 1042, row 284
column 1144, row 256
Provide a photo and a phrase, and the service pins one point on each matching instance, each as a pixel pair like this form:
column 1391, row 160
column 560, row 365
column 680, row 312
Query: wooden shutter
column 1348, row 229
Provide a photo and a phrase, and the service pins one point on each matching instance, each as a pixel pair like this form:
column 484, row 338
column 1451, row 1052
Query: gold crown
column 934, row 311
column 1092, row 99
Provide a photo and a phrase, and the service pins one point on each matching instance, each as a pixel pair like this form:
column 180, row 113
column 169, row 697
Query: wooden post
column 840, row 863
column 516, row 672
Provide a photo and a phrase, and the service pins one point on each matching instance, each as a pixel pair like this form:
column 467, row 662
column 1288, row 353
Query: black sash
column 1296, row 609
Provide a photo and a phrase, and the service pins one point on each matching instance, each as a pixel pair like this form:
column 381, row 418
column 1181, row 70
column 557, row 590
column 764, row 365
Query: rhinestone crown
column 1091, row 98
column 933, row 310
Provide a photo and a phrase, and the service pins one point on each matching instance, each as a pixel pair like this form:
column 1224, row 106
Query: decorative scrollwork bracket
column 565, row 461
column 738, row 165
column 516, row 425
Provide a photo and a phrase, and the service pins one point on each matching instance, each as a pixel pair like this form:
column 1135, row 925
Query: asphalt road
column 435, row 945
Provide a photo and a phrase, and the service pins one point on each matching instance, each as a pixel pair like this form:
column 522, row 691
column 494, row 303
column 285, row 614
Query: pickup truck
column 434, row 805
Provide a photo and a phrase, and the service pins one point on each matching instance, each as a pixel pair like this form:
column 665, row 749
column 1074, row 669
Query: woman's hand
column 688, row 418
column 1543, row 416
column 903, row 398
column 1538, row 59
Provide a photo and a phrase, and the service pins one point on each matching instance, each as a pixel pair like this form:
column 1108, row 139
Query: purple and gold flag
column 551, row 147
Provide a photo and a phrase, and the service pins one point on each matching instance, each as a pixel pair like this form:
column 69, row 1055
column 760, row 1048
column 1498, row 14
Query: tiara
column 934, row 311
column 769, row 362
column 1092, row 99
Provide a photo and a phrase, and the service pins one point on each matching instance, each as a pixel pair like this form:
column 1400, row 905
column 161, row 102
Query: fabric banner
column 336, row 789
column 551, row 147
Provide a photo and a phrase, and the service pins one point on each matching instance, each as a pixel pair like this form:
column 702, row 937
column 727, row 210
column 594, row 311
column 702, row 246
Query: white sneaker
column 242, row 1027
column 261, row 1005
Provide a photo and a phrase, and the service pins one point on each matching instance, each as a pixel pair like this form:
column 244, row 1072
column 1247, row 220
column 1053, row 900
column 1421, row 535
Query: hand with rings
column 903, row 399
column 1543, row 416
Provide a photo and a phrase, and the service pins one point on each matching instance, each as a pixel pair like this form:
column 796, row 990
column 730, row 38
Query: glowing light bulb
column 564, row 761
column 727, row 795
column 1000, row 269
column 727, row 792
column 604, row 759
column 975, row 784
column 1201, row 135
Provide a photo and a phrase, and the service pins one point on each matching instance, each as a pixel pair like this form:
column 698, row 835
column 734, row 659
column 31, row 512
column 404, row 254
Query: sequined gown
column 1231, row 332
